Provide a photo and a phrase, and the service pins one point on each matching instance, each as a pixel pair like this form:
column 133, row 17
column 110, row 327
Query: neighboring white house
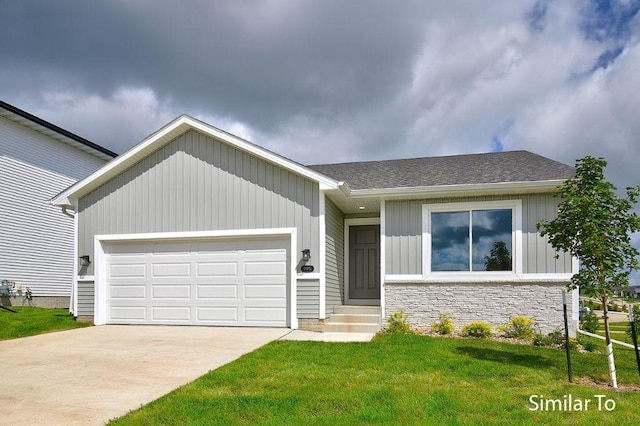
column 37, row 161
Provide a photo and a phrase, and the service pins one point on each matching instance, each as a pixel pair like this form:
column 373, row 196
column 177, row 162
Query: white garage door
column 226, row 283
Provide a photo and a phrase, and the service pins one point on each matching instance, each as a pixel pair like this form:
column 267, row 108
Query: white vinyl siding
column 36, row 239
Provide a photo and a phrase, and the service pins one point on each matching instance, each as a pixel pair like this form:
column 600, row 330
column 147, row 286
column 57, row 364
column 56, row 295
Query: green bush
column 589, row 322
column 397, row 323
column 519, row 327
column 554, row 339
column 477, row 329
column 588, row 345
column 594, row 306
column 443, row 325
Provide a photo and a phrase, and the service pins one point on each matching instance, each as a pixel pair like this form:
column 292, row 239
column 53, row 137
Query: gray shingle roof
column 511, row 166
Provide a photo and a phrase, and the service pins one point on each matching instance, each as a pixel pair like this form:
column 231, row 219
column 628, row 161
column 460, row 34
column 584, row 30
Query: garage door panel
column 124, row 270
column 171, row 313
column 171, row 291
column 217, row 291
column 265, row 268
column 128, row 313
column 258, row 291
column 227, row 283
column 217, row 269
column 128, row 291
column 262, row 315
column 222, row 315
column 171, row 269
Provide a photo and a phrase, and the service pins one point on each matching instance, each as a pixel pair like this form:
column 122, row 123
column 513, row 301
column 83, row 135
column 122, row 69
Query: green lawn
column 29, row 321
column 396, row 379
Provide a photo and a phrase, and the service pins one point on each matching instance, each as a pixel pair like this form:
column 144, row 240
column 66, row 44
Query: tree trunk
column 612, row 365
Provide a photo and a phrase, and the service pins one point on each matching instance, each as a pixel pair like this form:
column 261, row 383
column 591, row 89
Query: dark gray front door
column 364, row 262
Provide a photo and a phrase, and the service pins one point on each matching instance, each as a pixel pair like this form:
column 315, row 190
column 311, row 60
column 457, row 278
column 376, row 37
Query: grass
column 30, row 321
column 396, row 379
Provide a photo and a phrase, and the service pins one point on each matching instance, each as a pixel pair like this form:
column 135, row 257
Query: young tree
column 595, row 225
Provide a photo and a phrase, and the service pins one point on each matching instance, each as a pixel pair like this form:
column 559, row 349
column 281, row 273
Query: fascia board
column 449, row 190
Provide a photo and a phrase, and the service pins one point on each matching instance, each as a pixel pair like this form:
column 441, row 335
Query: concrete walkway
column 91, row 375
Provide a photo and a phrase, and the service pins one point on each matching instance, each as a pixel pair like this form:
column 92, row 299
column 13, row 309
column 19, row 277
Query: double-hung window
column 472, row 238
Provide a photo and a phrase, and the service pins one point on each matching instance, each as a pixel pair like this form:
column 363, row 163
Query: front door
column 364, row 263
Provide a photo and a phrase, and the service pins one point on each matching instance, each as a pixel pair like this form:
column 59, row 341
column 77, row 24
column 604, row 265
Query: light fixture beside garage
column 306, row 255
column 85, row 260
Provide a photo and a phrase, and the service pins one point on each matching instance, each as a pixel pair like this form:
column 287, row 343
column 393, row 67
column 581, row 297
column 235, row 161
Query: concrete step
column 355, row 318
column 349, row 309
column 343, row 327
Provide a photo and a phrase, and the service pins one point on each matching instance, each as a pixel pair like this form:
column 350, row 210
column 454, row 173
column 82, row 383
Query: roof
column 471, row 169
column 30, row 120
column 171, row 131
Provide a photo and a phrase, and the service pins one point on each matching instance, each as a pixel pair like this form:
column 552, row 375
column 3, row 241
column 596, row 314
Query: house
column 37, row 161
column 197, row 226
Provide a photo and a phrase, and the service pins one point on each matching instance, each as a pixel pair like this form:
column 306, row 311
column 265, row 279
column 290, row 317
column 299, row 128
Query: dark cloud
column 260, row 62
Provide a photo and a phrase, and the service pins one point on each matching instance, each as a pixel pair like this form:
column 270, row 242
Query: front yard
column 30, row 321
column 401, row 379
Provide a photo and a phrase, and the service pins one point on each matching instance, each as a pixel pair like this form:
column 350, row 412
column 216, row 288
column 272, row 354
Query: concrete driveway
column 91, row 375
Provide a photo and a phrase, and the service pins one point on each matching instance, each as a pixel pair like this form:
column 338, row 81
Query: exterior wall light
column 306, row 255
column 85, row 260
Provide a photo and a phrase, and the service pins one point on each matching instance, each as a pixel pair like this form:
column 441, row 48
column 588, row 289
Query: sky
column 323, row 81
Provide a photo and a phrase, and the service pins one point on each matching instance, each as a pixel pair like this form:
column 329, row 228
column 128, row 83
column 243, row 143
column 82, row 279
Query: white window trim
column 516, row 242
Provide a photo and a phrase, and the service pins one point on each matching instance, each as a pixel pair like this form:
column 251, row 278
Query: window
column 470, row 237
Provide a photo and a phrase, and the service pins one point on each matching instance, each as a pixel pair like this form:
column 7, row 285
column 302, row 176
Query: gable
column 166, row 135
column 198, row 183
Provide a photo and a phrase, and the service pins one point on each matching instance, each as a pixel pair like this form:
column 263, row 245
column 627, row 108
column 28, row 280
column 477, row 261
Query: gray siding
column 334, row 256
column 539, row 256
column 403, row 243
column 196, row 183
column 308, row 295
column 85, row 298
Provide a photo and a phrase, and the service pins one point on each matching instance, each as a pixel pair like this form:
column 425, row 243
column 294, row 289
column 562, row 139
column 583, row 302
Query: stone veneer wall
column 310, row 324
column 494, row 303
column 58, row 302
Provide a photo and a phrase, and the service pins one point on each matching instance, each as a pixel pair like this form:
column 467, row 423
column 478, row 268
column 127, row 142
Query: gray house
column 196, row 226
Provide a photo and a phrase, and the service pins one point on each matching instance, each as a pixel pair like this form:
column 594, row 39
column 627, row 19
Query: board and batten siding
column 36, row 239
column 334, row 278
column 403, row 239
column 197, row 183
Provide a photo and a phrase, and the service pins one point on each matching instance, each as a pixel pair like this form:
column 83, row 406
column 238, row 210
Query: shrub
column 588, row 345
column 398, row 323
column 443, row 325
column 477, row 329
column 554, row 339
column 589, row 322
column 519, row 327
